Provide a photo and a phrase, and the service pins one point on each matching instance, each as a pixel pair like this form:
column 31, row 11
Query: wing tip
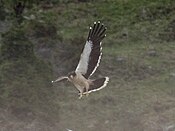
column 107, row 79
column 59, row 79
column 97, row 31
column 99, row 22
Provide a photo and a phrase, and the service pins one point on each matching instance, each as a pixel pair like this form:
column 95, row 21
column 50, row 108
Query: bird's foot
column 80, row 96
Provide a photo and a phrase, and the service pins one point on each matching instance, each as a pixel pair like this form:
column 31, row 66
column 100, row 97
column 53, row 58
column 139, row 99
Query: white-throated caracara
column 88, row 63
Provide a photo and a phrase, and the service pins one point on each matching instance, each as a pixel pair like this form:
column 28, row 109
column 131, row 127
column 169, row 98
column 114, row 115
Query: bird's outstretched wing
column 91, row 55
column 60, row 79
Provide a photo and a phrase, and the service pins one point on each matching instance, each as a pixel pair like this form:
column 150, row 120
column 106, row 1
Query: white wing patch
column 91, row 55
column 84, row 59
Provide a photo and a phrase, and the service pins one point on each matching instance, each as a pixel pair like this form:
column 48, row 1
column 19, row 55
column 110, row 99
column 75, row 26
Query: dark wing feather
column 91, row 55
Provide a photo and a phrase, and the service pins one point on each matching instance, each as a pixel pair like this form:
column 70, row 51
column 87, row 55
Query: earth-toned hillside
column 42, row 40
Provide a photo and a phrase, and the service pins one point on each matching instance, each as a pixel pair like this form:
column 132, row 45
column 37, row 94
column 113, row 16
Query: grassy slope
column 140, row 63
column 141, row 93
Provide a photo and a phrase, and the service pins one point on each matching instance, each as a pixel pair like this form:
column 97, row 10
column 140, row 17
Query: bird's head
column 71, row 75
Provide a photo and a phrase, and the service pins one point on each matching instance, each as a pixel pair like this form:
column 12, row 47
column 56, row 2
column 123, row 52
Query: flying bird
column 88, row 63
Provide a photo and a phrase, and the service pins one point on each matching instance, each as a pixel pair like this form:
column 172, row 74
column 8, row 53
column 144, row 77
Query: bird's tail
column 98, row 84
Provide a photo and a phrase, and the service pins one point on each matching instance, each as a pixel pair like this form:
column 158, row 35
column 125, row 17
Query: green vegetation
column 138, row 56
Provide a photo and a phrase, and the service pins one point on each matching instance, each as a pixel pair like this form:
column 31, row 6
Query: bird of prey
column 88, row 63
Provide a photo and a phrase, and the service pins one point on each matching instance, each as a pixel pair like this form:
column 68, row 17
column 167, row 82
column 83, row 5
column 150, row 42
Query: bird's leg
column 81, row 95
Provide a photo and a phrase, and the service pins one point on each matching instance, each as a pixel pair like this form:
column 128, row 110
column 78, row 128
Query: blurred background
column 41, row 40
